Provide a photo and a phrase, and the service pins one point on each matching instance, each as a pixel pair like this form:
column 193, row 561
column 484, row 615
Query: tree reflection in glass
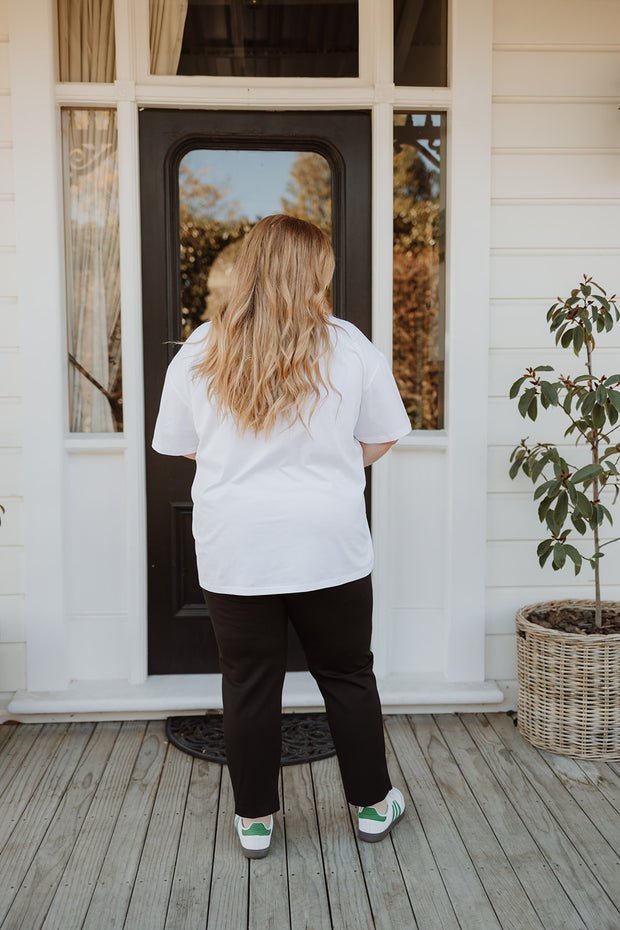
column 222, row 194
column 418, row 276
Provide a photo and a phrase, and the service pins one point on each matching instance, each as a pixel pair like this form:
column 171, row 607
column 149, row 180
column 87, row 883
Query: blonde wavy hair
column 262, row 360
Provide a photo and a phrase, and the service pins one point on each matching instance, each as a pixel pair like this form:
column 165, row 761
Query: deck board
column 459, row 875
column 568, row 861
column 308, row 901
column 110, row 901
column 508, row 899
column 601, row 857
column 46, row 870
column 108, row 825
column 153, row 884
column 189, row 898
column 70, row 903
column 421, row 874
column 545, row 892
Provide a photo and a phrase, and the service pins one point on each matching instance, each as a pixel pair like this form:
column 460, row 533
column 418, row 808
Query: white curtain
column 166, row 25
column 93, row 273
column 86, row 40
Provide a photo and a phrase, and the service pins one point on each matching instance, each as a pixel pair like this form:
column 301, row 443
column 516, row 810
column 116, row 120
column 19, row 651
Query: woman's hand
column 374, row 450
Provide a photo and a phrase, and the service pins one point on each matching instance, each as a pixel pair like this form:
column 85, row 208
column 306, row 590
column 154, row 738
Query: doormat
column 305, row 737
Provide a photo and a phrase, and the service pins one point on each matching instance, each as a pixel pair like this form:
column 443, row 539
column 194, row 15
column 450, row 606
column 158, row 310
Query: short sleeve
column 175, row 433
column 382, row 415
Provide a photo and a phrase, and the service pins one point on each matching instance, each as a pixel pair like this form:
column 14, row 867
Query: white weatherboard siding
column 555, row 215
column 12, row 582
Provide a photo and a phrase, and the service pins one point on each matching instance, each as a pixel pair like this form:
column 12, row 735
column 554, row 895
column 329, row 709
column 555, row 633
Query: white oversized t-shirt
column 285, row 512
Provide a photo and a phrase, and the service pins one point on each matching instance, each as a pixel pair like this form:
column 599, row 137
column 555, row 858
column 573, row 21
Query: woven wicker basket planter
column 569, row 687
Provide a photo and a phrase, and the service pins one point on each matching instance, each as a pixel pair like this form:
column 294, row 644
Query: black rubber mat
column 305, row 737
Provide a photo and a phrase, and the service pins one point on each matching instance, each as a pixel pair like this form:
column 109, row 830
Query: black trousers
column 334, row 626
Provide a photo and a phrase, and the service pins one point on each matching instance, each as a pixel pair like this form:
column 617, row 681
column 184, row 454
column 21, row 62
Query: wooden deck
column 107, row 826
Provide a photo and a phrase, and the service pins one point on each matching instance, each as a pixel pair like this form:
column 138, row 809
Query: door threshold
column 162, row 696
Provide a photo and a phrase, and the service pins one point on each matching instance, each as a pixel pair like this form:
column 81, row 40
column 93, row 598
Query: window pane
column 419, row 262
column 86, row 49
column 255, row 38
column 93, row 270
column 222, row 194
column 421, row 43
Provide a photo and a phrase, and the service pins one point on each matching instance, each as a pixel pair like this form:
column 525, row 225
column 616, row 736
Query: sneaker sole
column 254, row 853
column 377, row 837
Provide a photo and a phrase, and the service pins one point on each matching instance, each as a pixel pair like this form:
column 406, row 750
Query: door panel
column 181, row 640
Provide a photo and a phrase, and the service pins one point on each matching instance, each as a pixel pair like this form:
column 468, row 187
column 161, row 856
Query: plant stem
column 594, row 440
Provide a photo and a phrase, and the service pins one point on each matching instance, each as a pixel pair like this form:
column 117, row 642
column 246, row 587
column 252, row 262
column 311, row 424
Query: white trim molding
column 38, row 193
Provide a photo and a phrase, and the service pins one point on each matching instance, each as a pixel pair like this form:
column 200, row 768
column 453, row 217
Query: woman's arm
column 190, row 455
column 374, row 450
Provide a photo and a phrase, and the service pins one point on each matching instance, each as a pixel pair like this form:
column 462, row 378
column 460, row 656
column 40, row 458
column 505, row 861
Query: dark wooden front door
column 180, row 637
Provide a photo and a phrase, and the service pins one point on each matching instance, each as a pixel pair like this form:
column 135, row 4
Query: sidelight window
column 419, row 265
column 93, row 269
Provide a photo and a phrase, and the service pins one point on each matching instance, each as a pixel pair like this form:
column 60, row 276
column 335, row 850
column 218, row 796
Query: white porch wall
column 555, row 214
column 12, row 586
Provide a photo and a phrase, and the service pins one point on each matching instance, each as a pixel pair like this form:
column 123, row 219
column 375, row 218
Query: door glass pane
column 86, row 50
column 255, row 38
column 421, row 43
column 93, row 270
column 419, row 265
column 222, row 194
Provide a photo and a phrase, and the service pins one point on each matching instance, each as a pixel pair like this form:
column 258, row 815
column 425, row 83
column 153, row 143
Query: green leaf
column 613, row 379
column 515, row 468
column 578, row 340
column 588, row 402
column 586, row 290
column 579, row 524
column 516, row 387
column 601, row 395
column 583, row 505
column 532, row 410
column 525, row 400
column 542, row 489
column 550, row 521
column 572, row 554
column 567, row 338
column 543, row 508
column 614, row 397
column 549, row 392
column 559, row 555
column 543, row 558
column 538, row 466
column 604, row 513
column 561, row 509
column 544, row 368
column 544, row 547
column 587, row 472
column 598, row 416
column 612, row 414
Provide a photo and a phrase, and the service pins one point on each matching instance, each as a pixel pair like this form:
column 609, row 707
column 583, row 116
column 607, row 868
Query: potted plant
column 569, row 651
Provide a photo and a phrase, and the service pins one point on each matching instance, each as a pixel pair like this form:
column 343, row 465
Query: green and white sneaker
column 255, row 839
column 373, row 826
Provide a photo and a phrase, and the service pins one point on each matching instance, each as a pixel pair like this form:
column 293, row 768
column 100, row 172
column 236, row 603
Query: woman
column 282, row 406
